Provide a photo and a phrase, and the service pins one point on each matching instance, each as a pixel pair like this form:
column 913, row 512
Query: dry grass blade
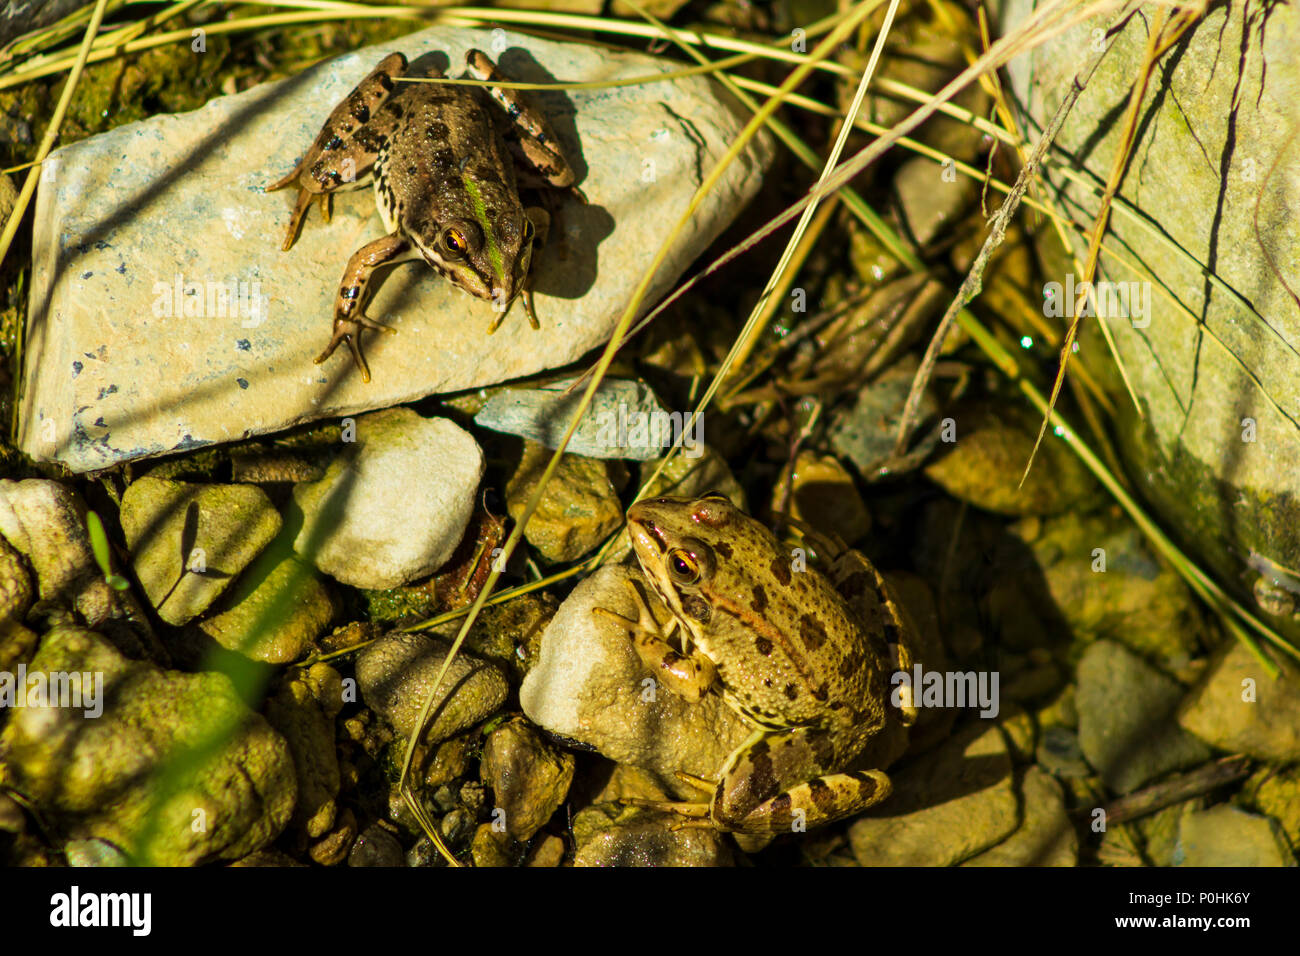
column 1162, row 36
column 972, row 284
column 823, row 49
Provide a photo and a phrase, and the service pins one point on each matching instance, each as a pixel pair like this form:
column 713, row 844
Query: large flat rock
column 117, row 370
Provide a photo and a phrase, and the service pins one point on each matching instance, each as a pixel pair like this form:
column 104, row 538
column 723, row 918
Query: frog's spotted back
column 445, row 185
column 788, row 651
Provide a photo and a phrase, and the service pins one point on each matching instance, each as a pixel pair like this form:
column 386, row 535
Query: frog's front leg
column 349, row 312
column 774, row 779
column 534, row 142
column 346, row 147
column 687, row 676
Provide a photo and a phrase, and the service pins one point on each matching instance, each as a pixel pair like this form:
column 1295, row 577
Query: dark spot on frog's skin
column 361, row 113
column 781, row 570
column 764, row 647
column 121, row 269
column 109, row 390
column 847, row 666
column 823, row 797
column 791, row 692
column 394, row 108
column 812, row 631
column 723, row 549
column 437, row 131
column 100, row 422
column 760, row 598
column 444, row 159
column 820, row 692
column 368, row 140
column 762, row 781
column 386, row 82
column 767, row 682
column 334, row 143
column 410, row 170
column 780, row 812
column 87, row 275
column 697, row 608
column 242, row 382
column 671, row 659
column 486, row 174
column 855, row 584
column 867, row 783
column 243, row 345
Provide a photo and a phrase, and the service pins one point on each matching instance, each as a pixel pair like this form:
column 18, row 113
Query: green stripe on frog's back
column 489, row 236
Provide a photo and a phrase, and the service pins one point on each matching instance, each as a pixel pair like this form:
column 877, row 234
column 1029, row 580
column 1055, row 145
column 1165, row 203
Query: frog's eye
column 683, row 567
column 455, row 241
column 690, row 564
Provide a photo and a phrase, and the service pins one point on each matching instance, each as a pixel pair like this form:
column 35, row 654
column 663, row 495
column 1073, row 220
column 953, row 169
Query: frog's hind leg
column 531, row 139
column 346, row 147
column 687, row 676
column 774, row 784
column 873, row 602
column 349, row 313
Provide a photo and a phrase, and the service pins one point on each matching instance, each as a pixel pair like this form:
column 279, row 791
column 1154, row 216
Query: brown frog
column 805, row 657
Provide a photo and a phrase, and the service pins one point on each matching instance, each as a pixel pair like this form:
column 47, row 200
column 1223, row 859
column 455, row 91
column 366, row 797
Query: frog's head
column 483, row 244
column 685, row 546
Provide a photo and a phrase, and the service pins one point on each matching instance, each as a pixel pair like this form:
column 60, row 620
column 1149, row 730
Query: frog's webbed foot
column 349, row 330
column 689, row 676
column 349, row 319
column 305, row 196
column 694, row 815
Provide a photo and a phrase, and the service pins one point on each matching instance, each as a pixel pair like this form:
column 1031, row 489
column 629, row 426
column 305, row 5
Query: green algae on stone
column 275, row 610
column 125, row 775
column 1208, row 397
column 189, row 541
column 294, row 712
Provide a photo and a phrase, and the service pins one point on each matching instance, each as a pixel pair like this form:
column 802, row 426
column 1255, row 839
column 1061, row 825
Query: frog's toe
column 691, row 811
column 349, row 330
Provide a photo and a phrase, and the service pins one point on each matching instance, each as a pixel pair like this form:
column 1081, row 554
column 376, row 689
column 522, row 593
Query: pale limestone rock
column 116, row 372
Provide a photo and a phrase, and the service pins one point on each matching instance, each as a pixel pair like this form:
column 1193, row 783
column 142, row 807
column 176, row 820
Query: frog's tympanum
column 447, row 167
column 805, row 657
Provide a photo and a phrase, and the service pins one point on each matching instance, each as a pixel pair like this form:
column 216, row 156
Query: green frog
column 805, row 657
column 447, row 167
